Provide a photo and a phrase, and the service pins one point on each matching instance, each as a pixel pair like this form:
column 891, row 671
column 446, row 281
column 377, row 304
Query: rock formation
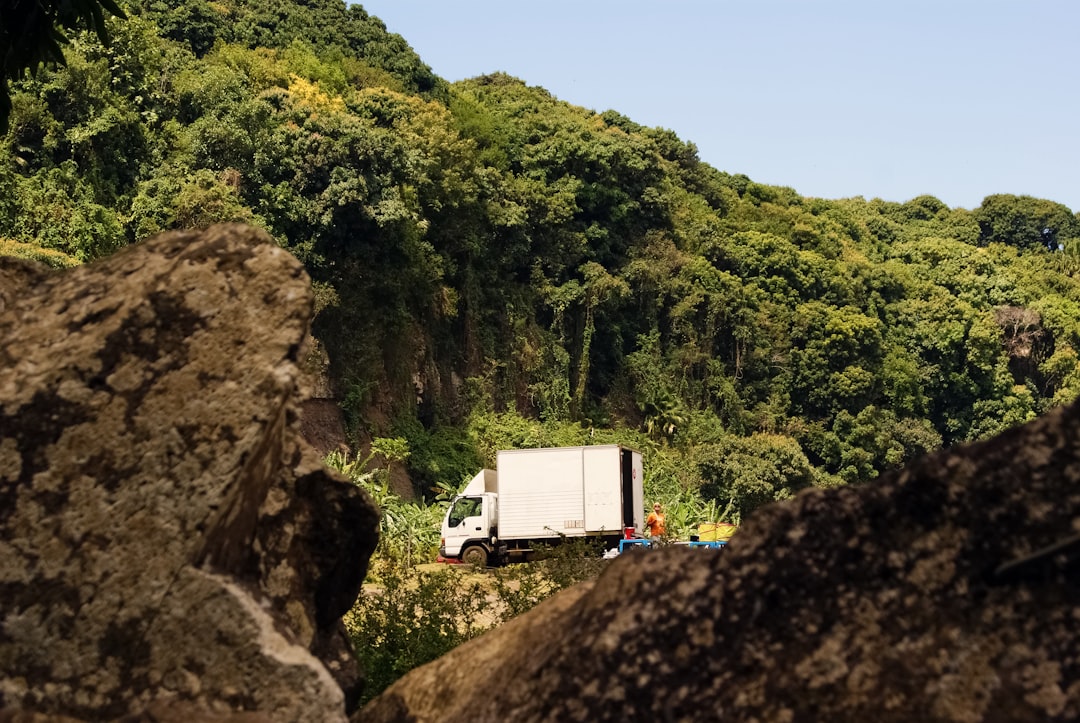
column 167, row 541
column 946, row 592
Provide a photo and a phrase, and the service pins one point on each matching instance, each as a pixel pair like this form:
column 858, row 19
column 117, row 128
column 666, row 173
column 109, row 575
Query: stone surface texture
column 946, row 592
column 167, row 540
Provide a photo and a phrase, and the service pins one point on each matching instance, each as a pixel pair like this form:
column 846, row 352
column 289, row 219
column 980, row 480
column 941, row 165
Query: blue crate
column 713, row 544
column 630, row 544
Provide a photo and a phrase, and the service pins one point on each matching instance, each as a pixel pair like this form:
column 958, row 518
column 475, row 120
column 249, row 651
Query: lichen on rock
column 165, row 534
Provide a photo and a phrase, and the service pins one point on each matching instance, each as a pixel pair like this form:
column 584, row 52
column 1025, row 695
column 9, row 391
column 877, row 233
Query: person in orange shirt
column 655, row 521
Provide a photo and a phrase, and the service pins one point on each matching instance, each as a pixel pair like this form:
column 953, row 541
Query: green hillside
column 496, row 267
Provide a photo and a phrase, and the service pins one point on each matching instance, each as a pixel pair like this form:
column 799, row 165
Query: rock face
column 947, row 592
column 166, row 539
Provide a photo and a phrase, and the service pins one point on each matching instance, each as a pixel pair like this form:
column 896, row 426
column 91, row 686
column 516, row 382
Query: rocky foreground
column 171, row 550
column 165, row 534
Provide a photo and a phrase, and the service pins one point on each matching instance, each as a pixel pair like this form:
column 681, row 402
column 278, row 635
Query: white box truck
column 544, row 495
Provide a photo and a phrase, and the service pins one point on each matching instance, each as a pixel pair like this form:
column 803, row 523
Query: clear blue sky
column 835, row 98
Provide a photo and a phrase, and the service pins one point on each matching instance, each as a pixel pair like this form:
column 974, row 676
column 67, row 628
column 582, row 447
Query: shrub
column 33, row 252
column 408, row 532
column 412, row 618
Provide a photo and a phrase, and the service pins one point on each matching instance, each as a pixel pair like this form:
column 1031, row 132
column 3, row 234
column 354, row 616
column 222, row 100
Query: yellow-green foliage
column 33, row 252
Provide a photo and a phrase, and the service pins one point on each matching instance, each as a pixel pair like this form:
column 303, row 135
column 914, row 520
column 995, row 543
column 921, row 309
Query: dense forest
column 495, row 267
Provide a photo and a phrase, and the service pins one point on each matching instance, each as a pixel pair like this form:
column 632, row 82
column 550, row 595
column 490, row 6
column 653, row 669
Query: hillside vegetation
column 495, row 267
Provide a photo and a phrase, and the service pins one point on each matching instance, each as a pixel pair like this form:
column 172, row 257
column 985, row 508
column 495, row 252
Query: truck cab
column 470, row 528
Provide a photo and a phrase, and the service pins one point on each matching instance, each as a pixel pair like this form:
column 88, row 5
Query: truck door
column 632, row 484
column 466, row 520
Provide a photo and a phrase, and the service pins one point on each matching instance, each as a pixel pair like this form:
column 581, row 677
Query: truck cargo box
column 571, row 491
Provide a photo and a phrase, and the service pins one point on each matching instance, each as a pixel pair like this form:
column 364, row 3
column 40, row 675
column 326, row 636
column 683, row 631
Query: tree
column 836, row 359
column 31, row 33
column 745, row 473
column 1025, row 222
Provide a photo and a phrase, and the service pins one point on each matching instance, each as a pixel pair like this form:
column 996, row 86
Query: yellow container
column 713, row 531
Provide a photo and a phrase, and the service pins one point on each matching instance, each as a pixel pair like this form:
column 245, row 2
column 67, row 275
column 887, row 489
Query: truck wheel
column 475, row 556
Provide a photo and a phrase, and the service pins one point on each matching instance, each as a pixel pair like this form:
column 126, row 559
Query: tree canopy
column 32, row 33
column 481, row 248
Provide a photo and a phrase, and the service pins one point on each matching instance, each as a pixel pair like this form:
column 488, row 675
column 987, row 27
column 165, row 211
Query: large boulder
column 946, row 592
column 167, row 541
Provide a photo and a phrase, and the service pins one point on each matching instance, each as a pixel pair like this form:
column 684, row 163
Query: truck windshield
column 464, row 507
